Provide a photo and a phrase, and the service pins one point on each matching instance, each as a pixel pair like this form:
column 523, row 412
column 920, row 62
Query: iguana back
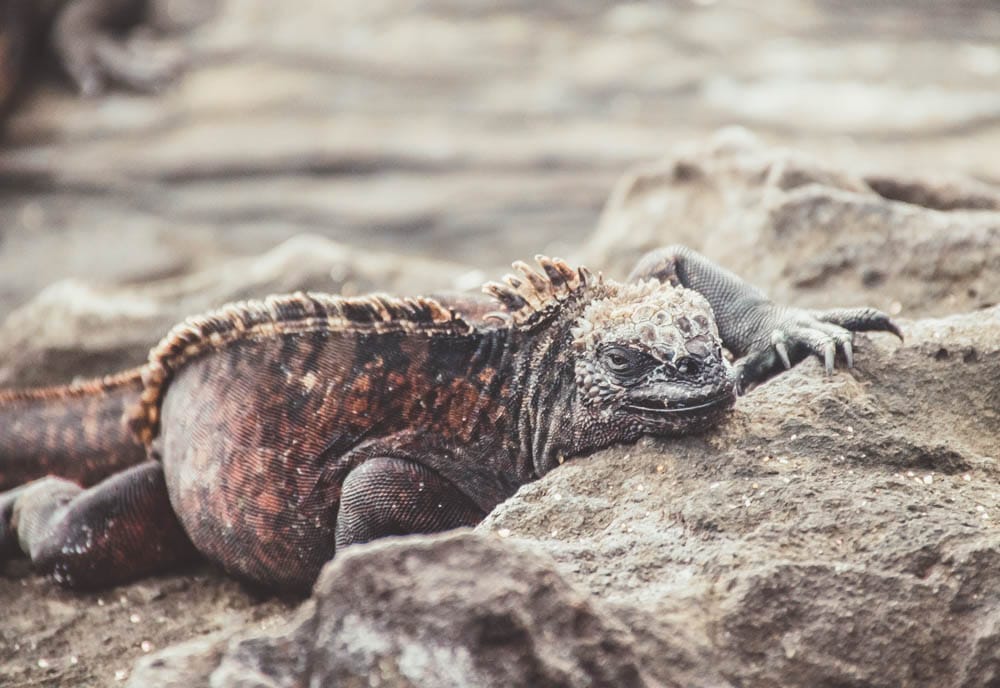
column 274, row 403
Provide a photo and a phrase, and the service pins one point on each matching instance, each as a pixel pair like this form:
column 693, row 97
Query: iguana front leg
column 766, row 337
column 389, row 496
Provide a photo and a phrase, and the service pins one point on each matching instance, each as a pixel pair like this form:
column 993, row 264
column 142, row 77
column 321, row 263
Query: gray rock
column 809, row 232
column 452, row 610
column 834, row 531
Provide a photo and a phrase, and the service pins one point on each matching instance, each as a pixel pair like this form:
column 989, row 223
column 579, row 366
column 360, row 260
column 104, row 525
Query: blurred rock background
column 837, row 531
column 477, row 132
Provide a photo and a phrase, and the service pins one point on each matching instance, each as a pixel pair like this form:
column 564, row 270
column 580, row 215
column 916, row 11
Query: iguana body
column 283, row 430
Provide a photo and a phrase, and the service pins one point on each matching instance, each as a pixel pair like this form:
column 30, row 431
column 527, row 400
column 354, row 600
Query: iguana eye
column 624, row 361
column 618, row 361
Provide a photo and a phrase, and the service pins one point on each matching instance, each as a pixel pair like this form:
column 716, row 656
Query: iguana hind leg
column 388, row 496
column 118, row 530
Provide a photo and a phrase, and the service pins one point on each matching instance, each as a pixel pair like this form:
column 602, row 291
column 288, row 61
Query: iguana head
column 648, row 357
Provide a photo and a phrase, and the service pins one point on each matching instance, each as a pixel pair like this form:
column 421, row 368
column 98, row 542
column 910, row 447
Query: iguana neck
column 552, row 422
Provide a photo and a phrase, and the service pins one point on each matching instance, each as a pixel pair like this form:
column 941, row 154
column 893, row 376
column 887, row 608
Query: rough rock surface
column 835, row 531
column 828, row 534
column 811, row 233
column 452, row 610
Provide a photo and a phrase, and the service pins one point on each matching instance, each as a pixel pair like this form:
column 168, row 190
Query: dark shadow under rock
column 452, row 610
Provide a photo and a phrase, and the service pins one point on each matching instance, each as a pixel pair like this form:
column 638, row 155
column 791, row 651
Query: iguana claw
column 848, row 353
column 829, row 351
column 778, row 340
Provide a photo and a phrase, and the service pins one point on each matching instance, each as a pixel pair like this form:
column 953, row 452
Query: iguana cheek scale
column 269, row 434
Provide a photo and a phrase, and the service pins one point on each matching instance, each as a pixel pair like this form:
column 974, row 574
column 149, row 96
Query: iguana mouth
column 662, row 407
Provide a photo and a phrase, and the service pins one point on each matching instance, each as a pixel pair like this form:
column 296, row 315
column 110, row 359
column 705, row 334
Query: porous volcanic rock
column 834, row 531
column 808, row 232
column 453, row 610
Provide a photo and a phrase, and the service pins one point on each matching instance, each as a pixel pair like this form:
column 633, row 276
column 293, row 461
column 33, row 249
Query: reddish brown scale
column 257, row 443
column 278, row 316
column 98, row 538
column 78, row 432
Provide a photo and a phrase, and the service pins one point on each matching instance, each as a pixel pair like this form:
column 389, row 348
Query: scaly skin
column 767, row 338
column 75, row 432
column 281, row 431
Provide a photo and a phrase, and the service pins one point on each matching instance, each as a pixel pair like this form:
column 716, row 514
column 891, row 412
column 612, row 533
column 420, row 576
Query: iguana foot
column 118, row 530
column 793, row 334
column 8, row 533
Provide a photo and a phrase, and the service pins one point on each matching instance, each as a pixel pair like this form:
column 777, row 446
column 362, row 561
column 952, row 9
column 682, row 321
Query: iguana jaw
column 668, row 408
column 661, row 407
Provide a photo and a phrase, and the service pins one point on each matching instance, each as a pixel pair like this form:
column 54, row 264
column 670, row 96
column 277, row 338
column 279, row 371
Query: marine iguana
column 86, row 36
column 267, row 435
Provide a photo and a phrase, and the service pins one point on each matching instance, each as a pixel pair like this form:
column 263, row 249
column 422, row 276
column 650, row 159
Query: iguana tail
column 77, row 431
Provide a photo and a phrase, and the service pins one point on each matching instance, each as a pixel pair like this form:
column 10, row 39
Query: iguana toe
column 778, row 340
column 861, row 320
column 848, row 348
